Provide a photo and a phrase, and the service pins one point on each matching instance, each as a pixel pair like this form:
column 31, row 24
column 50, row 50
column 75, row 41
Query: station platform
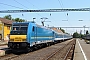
column 82, row 50
column 3, row 43
column 3, row 48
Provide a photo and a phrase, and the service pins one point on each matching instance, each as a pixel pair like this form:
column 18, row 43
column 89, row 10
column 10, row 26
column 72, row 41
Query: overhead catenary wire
column 66, row 14
column 34, row 6
column 20, row 4
column 26, row 7
column 11, row 5
column 60, row 3
column 43, row 10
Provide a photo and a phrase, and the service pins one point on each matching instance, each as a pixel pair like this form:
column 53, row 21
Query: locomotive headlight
column 23, row 39
column 11, row 39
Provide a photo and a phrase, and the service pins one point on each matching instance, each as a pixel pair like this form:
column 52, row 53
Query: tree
column 19, row 20
column 76, row 35
column 8, row 17
column 62, row 30
column 16, row 19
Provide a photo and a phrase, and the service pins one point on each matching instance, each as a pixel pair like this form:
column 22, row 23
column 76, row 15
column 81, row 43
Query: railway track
column 60, row 51
column 64, row 53
column 8, row 57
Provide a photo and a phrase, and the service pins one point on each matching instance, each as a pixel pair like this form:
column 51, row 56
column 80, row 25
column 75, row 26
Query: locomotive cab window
column 19, row 29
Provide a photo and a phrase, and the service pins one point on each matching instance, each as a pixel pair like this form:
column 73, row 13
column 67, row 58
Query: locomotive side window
column 53, row 32
column 33, row 28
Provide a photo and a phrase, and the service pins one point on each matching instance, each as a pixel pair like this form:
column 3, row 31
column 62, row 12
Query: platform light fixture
column 84, row 28
column 80, row 20
column 64, row 20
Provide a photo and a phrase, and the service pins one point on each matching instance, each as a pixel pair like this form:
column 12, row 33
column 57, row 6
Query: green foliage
column 8, row 17
column 16, row 19
column 62, row 30
column 77, row 35
column 19, row 20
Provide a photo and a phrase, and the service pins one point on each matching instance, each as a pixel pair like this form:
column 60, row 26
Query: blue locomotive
column 28, row 34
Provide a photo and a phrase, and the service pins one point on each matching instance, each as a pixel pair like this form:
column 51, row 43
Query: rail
column 69, row 53
column 71, row 50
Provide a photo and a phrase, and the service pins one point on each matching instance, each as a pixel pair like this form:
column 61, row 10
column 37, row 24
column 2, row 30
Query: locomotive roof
column 32, row 22
column 19, row 22
column 43, row 27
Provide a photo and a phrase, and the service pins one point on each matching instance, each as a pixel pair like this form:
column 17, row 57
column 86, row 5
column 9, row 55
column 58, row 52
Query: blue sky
column 56, row 17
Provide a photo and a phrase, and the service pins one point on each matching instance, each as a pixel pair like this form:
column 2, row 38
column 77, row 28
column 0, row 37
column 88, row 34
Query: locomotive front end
column 18, row 36
column 17, row 41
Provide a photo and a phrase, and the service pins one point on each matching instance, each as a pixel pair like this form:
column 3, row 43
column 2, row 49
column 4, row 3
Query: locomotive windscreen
column 19, row 29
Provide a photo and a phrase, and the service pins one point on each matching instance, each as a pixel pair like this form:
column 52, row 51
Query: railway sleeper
column 71, row 53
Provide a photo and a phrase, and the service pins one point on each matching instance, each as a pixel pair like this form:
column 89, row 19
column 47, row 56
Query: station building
column 5, row 27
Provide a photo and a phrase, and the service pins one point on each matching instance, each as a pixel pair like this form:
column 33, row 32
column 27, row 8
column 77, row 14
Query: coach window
column 33, row 28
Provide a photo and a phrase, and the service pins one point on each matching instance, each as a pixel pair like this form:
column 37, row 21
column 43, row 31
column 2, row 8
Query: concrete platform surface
column 82, row 50
column 2, row 52
column 86, row 49
column 4, row 49
column 3, row 46
column 78, row 53
column 3, row 43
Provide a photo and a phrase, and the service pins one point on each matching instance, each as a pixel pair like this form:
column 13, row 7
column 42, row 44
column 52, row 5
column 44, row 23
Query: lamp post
column 84, row 28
